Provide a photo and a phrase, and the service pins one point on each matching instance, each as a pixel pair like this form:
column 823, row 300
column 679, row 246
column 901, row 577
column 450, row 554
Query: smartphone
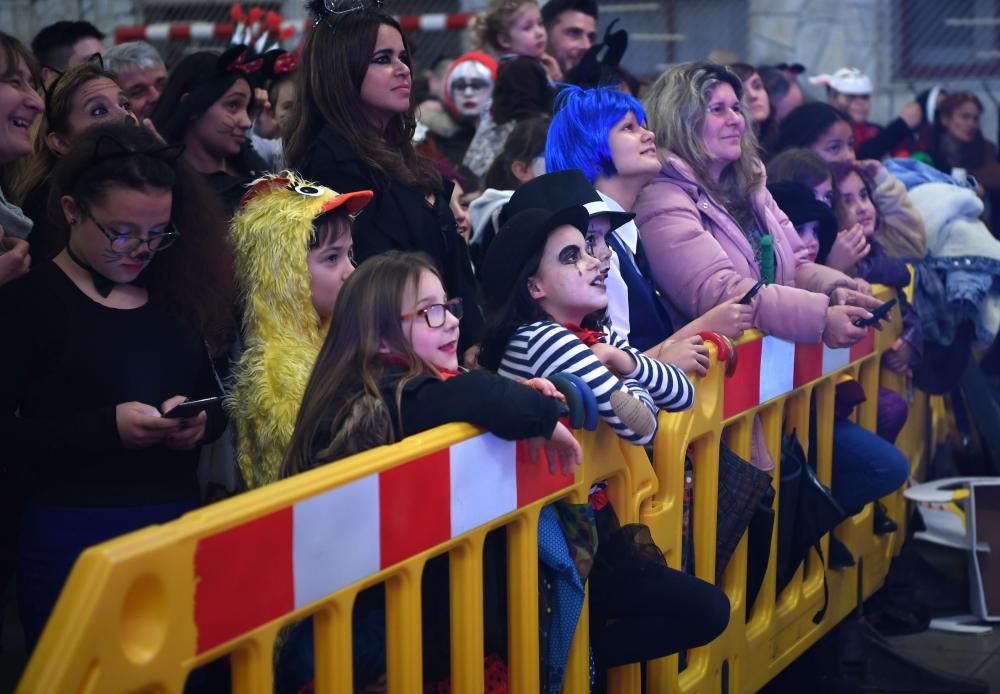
column 748, row 297
column 878, row 314
column 191, row 408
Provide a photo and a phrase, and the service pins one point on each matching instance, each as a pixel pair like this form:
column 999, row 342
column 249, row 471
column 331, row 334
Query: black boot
column 881, row 523
column 840, row 556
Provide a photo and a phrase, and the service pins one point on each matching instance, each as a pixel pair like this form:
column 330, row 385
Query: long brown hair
column 869, row 184
column 970, row 155
column 12, row 54
column 58, row 106
column 364, row 326
column 335, row 59
column 676, row 110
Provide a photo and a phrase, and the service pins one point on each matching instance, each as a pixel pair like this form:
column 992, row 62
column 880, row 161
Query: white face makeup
column 470, row 86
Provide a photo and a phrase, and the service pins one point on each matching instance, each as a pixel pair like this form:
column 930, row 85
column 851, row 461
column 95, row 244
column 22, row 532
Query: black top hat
column 519, row 238
column 558, row 190
column 800, row 204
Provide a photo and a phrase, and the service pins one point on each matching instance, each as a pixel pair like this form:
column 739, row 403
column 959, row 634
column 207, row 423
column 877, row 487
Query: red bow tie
column 587, row 337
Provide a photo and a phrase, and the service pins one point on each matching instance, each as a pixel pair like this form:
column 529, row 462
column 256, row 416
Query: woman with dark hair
column 83, row 96
column 111, row 336
column 959, row 143
column 829, row 133
column 756, row 98
column 205, row 105
column 352, row 129
column 19, row 106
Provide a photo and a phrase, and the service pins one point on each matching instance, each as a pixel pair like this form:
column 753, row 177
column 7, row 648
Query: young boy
column 293, row 251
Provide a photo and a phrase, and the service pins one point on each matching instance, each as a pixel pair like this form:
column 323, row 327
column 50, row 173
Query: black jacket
column 399, row 218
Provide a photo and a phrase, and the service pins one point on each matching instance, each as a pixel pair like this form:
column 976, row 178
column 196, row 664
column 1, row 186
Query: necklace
column 102, row 284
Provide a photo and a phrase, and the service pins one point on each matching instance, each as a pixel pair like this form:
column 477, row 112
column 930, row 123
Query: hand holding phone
column 748, row 297
column 191, row 408
column 878, row 314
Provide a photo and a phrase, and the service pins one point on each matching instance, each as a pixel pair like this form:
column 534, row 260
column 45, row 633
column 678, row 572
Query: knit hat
column 559, row 190
column 799, row 203
column 472, row 65
column 846, row 80
column 519, row 238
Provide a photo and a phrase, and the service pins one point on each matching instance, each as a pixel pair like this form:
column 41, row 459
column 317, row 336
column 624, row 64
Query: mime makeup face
column 470, row 86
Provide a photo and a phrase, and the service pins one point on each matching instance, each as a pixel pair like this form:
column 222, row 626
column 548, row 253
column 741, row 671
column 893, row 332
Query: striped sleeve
column 544, row 348
column 669, row 387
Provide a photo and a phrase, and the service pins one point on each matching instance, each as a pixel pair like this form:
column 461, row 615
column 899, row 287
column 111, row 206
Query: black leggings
column 650, row 613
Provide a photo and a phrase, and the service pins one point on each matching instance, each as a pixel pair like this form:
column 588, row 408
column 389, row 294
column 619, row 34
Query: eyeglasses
column 475, row 84
column 435, row 313
column 127, row 243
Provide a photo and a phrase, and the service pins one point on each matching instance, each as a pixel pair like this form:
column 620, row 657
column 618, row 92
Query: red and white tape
column 255, row 572
column 769, row 368
column 223, row 31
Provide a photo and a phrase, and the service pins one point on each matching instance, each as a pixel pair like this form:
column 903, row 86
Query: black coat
column 399, row 218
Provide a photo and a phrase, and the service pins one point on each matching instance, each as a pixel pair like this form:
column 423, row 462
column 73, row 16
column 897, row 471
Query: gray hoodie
column 13, row 221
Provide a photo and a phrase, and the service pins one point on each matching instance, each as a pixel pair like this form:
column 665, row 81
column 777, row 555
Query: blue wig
column 578, row 136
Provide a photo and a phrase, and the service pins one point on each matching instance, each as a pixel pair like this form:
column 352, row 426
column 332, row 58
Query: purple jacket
column 879, row 268
column 699, row 257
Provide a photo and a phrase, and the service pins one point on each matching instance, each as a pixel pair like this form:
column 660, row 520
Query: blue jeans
column 865, row 466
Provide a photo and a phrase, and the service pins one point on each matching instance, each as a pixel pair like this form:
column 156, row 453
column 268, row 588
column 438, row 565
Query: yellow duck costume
column 271, row 234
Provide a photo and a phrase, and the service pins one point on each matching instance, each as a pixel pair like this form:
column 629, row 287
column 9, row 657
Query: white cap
column 846, row 80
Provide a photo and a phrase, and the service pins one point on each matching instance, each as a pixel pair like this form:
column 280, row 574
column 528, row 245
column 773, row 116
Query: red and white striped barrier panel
column 253, row 573
column 223, row 31
column 769, row 368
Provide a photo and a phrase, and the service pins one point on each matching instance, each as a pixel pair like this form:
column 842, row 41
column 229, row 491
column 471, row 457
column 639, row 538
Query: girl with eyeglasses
column 387, row 370
column 111, row 335
column 352, row 129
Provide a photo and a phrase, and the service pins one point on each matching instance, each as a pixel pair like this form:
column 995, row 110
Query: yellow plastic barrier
column 139, row 613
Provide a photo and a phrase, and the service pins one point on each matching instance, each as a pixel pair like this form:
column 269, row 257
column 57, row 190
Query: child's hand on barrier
column 689, row 354
column 730, row 318
column 898, row 357
column 849, row 247
column 545, row 387
column 616, row 360
column 561, row 449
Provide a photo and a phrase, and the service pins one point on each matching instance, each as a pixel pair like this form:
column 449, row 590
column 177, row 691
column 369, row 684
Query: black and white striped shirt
column 545, row 347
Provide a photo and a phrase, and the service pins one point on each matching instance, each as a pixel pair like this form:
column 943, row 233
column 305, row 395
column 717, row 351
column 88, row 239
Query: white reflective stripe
column 483, row 481
column 834, row 359
column 777, row 368
column 433, row 22
column 335, row 539
column 157, row 32
column 202, row 30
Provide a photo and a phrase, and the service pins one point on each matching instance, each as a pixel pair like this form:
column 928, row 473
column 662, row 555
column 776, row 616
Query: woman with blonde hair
column 83, row 96
column 712, row 231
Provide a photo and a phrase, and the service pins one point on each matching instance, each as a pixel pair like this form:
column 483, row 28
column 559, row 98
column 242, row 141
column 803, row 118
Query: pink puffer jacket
column 699, row 257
